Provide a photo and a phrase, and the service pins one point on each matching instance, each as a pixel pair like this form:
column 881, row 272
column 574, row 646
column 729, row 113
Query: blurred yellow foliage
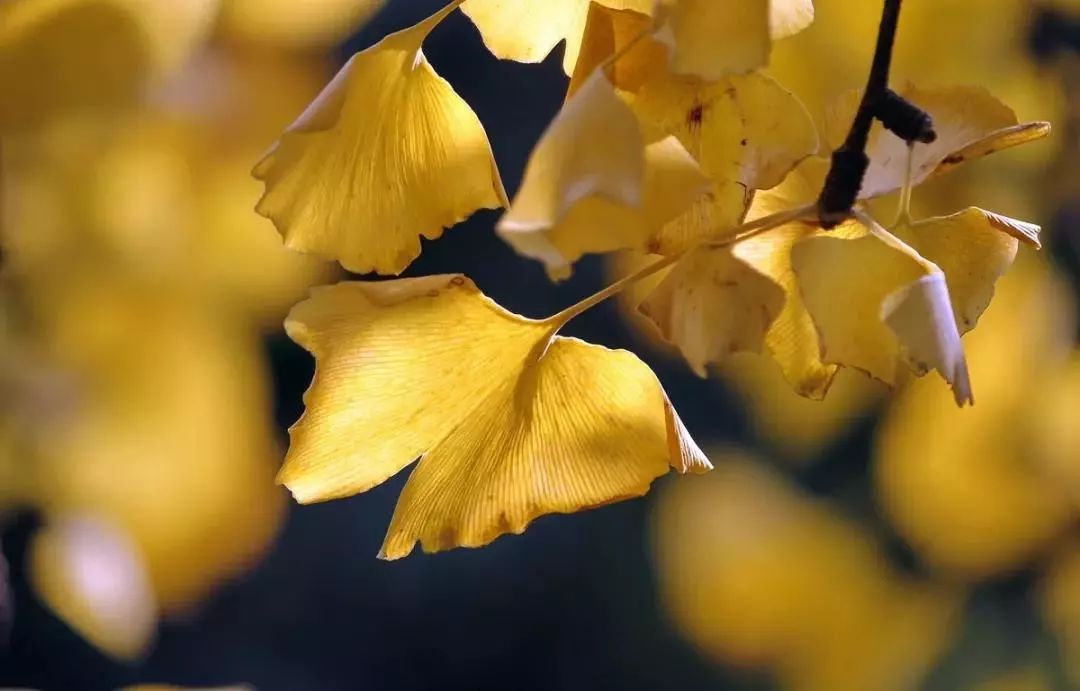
column 161, row 427
column 291, row 24
column 164, row 192
column 758, row 575
column 973, row 490
column 58, row 57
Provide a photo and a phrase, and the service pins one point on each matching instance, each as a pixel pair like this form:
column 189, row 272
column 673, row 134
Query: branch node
column 904, row 119
column 842, row 186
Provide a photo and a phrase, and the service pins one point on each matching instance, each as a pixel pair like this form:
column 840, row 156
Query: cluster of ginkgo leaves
column 673, row 141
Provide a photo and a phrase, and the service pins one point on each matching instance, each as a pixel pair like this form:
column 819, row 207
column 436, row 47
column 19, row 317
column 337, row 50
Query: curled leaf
column 592, row 186
column 973, row 248
column 553, row 425
column 387, row 153
column 876, row 302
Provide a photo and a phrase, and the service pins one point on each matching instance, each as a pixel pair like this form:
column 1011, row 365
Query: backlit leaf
column 592, row 186
column 387, row 153
column 876, row 302
column 527, row 30
column 509, row 421
column 969, row 122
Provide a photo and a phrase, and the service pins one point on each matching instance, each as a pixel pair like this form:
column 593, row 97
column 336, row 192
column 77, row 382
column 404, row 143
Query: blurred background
column 879, row 540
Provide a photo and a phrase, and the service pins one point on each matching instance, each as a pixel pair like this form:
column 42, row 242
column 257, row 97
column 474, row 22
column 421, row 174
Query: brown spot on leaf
column 695, row 115
column 457, row 281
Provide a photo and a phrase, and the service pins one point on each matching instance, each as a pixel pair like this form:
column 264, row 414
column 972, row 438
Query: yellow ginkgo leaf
column 53, row 60
column 387, row 152
column 712, row 305
column 790, row 337
column 876, row 302
column 712, row 40
column 92, row 576
column 973, row 248
column 592, row 186
column 672, row 182
column 746, row 132
column 969, row 122
column 592, row 155
column 527, row 30
column 554, row 425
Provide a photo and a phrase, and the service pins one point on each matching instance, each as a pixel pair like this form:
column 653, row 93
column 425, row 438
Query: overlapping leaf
column 745, row 131
column 527, row 30
column 853, row 299
column 592, row 186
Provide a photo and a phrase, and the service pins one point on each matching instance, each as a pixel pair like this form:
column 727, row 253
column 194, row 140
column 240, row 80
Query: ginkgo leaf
column 387, row 152
column 712, row 40
column 553, row 425
column 672, row 182
column 790, row 336
column 592, row 155
column 969, row 122
column 592, row 186
column 712, row 305
column 527, row 30
column 973, row 248
column 746, row 132
column 876, row 302
column 92, row 576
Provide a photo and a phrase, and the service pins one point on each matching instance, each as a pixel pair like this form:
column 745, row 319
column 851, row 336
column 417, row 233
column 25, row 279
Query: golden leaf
column 592, row 186
column 552, row 425
column 387, row 152
column 973, row 248
column 876, row 302
column 527, row 30
column 969, row 122
column 711, row 305
column 745, row 131
column 712, row 40
column 791, row 338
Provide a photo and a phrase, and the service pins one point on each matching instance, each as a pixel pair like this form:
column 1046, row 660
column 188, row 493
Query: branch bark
column 850, row 161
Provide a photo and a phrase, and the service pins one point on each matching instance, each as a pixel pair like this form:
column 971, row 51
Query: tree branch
column 850, row 161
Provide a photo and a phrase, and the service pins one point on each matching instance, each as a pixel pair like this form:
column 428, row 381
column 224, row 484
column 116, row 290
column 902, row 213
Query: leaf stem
column 903, row 211
column 743, row 232
column 849, row 162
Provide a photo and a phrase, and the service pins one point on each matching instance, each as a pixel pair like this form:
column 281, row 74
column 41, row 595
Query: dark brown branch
column 849, row 162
